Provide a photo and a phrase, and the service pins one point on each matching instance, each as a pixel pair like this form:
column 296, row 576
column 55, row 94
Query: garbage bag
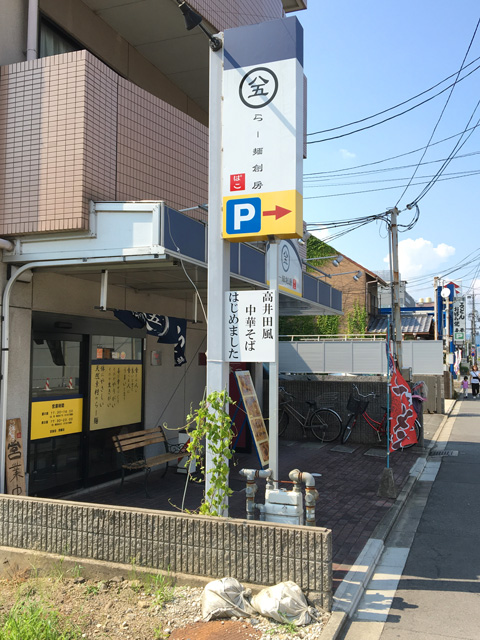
column 225, row 598
column 284, row 602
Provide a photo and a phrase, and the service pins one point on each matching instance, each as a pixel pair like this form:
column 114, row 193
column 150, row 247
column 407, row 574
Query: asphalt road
column 426, row 585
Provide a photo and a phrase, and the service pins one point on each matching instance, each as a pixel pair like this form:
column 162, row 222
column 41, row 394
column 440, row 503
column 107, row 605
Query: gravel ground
column 139, row 610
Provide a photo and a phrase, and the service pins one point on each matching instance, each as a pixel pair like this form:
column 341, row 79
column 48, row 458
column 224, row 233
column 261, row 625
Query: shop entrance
column 85, row 388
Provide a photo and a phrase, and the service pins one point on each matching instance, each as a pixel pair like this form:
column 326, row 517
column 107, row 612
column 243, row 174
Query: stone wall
column 260, row 553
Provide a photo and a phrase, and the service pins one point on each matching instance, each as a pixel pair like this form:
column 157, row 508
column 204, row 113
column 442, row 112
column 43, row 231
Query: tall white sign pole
column 218, row 249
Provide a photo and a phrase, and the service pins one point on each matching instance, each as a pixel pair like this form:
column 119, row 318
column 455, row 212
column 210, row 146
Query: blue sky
column 362, row 58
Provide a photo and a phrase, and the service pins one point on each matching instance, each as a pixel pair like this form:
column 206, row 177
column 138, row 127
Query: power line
column 354, row 193
column 459, row 174
column 400, row 104
column 375, row 124
column 438, row 122
column 401, row 155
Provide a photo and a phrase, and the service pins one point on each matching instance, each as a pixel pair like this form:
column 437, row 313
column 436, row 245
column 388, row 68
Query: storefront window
column 56, row 367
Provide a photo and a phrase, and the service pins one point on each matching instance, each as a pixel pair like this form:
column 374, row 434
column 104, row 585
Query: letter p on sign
column 244, row 216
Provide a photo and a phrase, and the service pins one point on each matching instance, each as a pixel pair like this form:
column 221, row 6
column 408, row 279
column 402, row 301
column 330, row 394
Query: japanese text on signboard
column 251, row 331
column 459, row 319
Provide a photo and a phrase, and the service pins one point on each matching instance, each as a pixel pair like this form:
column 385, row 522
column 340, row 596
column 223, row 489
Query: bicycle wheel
column 418, row 428
column 283, row 419
column 325, row 425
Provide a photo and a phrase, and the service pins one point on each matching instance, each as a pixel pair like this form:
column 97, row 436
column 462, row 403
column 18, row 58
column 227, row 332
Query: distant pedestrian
column 475, row 381
column 465, row 386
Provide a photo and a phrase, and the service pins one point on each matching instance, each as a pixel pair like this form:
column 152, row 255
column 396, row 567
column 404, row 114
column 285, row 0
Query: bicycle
column 357, row 407
column 324, row 423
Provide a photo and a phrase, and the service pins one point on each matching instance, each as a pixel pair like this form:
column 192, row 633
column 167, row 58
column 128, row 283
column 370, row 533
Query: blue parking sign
column 243, row 215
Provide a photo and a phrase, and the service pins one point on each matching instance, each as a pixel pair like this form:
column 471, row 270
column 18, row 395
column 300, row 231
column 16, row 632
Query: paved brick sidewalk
column 348, row 485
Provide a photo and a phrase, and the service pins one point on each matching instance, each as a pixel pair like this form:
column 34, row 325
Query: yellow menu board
column 115, row 395
column 254, row 415
column 57, row 417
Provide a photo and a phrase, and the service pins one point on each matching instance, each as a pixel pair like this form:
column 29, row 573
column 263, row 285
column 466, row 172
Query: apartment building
column 103, row 218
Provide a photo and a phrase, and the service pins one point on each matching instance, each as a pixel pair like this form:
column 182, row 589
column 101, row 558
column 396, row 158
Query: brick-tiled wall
column 72, row 130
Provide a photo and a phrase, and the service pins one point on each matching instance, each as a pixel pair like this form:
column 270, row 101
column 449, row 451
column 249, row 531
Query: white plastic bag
column 225, row 598
column 284, row 602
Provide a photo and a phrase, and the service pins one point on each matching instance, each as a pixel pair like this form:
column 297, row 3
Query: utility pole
column 474, row 331
column 397, row 321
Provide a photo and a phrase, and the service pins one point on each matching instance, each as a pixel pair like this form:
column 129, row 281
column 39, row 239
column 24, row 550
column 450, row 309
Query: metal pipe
column 251, row 489
column 32, row 30
column 311, row 494
column 7, row 245
column 5, row 347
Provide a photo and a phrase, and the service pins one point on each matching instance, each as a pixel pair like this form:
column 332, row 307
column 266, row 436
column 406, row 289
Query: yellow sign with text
column 59, row 417
column 257, row 216
column 115, row 395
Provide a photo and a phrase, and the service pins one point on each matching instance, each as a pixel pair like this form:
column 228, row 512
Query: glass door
column 56, row 415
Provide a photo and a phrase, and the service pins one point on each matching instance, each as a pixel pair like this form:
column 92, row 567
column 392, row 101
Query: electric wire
column 453, row 86
column 397, row 115
column 310, row 178
column 352, row 193
column 401, row 155
column 400, row 104
column 458, row 174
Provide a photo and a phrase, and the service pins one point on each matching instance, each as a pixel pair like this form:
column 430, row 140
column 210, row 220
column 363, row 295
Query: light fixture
column 301, row 241
column 193, row 19
column 336, row 259
column 358, row 275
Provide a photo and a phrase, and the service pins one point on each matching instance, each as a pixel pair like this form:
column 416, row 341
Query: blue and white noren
column 244, row 216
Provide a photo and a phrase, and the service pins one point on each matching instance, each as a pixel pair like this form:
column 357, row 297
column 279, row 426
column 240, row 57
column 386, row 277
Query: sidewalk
column 350, row 591
column 348, row 477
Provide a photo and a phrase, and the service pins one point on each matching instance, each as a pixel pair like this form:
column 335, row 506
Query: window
column 53, row 41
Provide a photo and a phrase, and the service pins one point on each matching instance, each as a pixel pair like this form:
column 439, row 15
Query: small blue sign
column 243, row 216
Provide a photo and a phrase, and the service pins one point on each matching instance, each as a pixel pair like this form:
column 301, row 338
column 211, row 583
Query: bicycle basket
column 355, row 405
column 327, row 400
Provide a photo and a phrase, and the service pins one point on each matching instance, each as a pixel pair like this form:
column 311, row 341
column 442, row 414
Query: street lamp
column 336, row 259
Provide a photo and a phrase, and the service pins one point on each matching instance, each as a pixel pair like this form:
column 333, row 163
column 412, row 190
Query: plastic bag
column 284, row 602
column 225, row 598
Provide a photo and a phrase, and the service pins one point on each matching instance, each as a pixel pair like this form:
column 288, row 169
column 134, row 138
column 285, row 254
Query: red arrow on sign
column 278, row 212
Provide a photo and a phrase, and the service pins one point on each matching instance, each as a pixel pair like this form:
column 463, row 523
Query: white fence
column 424, row 357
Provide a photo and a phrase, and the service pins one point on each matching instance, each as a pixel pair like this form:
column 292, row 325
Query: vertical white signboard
column 262, row 131
column 250, row 332
column 459, row 320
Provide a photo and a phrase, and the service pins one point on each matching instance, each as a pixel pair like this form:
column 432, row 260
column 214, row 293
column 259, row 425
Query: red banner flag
column 402, row 413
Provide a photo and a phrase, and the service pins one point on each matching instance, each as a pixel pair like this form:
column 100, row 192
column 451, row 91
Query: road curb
column 352, row 587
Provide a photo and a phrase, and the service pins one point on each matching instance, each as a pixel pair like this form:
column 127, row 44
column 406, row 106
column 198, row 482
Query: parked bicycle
column 357, row 407
column 324, row 423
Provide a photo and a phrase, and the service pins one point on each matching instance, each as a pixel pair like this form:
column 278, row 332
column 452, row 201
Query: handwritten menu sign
column 115, row 395
column 254, row 415
column 14, row 458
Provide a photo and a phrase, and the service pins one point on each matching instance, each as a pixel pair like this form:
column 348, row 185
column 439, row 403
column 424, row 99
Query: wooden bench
column 130, row 447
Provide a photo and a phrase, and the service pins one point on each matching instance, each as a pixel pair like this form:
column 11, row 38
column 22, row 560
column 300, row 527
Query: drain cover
column 344, row 448
column 376, row 453
column 443, row 453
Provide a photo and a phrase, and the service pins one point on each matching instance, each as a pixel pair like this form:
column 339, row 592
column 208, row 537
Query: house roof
column 411, row 323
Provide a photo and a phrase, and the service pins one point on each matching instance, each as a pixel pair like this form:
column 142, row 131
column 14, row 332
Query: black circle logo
column 258, row 88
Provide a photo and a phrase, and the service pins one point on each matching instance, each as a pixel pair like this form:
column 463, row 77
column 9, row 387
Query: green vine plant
column 211, row 420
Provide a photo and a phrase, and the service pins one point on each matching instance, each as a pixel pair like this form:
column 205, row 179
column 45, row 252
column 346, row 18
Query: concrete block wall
column 253, row 552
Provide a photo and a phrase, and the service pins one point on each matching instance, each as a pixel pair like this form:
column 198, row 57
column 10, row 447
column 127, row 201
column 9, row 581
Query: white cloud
column 419, row 257
column 347, row 154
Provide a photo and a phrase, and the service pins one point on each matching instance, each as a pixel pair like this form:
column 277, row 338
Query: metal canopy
column 147, row 246
column 168, row 278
